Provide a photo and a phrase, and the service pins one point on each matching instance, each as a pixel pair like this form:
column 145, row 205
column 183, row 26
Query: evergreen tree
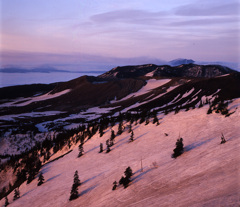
column 6, row 201
column 101, row 148
column 179, row 148
column 155, row 119
column 76, row 179
column 131, row 137
column 101, row 131
column 128, row 172
column 121, row 180
column 120, row 128
column 114, row 185
column 223, row 139
column 40, row 179
column 111, row 142
column 31, row 176
column 108, row 146
column 16, row 194
column 130, row 128
column 80, row 148
column 147, row 121
column 126, row 180
column 74, row 190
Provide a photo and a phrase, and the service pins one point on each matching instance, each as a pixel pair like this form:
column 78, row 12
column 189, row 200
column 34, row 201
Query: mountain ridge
column 185, row 70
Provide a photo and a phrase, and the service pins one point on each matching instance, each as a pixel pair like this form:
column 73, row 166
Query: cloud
column 205, row 22
column 129, row 16
column 201, row 9
column 51, row 62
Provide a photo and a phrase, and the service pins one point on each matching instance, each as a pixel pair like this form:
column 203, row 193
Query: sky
column 95, row 33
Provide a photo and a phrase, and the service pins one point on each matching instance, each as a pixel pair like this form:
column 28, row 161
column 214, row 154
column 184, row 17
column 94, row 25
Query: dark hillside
column 13, row 92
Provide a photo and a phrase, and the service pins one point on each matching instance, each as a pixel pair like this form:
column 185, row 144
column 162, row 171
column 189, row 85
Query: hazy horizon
column 99, row 35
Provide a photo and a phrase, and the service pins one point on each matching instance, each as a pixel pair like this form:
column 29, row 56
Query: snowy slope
column 205, row 175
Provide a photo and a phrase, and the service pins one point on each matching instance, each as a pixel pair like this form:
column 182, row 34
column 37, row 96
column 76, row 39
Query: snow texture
column 206, row 174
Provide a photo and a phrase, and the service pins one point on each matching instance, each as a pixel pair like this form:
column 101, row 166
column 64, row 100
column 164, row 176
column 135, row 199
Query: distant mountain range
column 41, row 70
column 184, row 70
column 50, row 69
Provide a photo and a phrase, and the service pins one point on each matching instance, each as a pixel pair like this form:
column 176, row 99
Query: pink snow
column 206, row 174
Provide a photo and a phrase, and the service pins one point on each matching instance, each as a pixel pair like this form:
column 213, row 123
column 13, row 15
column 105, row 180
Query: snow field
column 206, row 174
column 26, row 101
column 151, row 84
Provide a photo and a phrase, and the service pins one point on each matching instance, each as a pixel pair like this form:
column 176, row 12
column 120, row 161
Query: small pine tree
column 101, row 148
column 128, row 172
column 147, row 121
column 179, row 148
column 101, row 131
column 120, row 128
column 80, row 148
column 40, row 179
column 130, row 128
column 114, row 185
column 131, row 137
column 121, row 180
column 112, row 138
column 6, row 201
column 74, row 190
column 76, row 179
column 126, row 182
column 31, row 176
column 209, row 110
column 223, row 139
column 108, row 146
column 16, row 194
column 155, row 119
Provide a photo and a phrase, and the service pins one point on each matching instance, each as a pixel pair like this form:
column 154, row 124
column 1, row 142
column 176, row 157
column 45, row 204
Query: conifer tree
column 120, row 128
column 6, row 201
column 101, row 131
column 31, row 176
column 40, row 179
column 74, row 190
column 108, row 146
column 130, row 128
column 126, row 180
column 155, row 119
column 76, row 179
column 80, row 148
column 114, row 185
column 101, row 148
column 16, row 194
column 147, row 121
column 179, row 148
column 128, row 172
column 223, row 139
column 111, row 142
column 131, row 137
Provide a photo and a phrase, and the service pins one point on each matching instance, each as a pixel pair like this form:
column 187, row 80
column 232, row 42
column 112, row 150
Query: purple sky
column 99, row 33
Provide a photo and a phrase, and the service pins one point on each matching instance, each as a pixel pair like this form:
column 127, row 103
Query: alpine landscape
column 130, row 116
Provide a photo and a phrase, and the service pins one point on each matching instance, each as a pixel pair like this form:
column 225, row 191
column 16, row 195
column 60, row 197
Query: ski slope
column 206, row 174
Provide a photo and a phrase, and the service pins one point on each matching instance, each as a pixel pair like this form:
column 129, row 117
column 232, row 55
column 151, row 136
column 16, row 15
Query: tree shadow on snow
column 138, row 177
column 88, row 189
column 126, row 139
column 197, row 144
column 92, row 149
column 27, row 193
column 120, row 142
column 53, row 177
column 85, row 181
column 140, row 136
